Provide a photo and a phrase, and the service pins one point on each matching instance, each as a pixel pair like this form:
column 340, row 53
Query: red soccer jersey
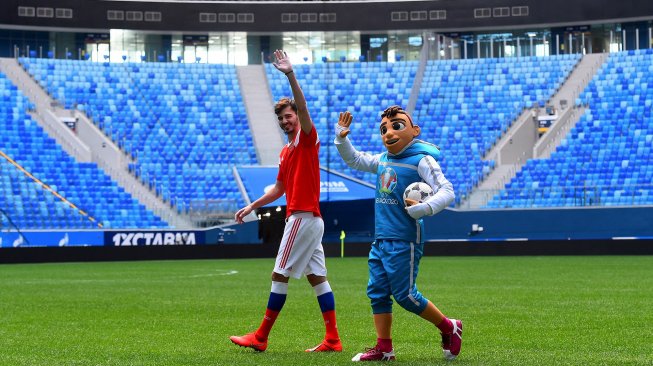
column 299, row 171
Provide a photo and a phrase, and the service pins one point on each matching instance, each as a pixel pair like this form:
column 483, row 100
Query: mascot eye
column 384, row 129
column 398, row 126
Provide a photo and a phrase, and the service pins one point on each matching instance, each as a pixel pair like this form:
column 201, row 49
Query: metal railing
column 205, row 213
column 32, row 203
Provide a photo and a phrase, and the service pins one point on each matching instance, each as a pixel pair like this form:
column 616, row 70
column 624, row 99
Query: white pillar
column 478, row 48
column 505, row 45
column 590, row 47
column 570, row 45
column 491, row 48
column 451, row 48
column 557, row 44
column 636, row 38
column 582, row 37
column 611, row 41
column 623, row 40
column 465, row 49
column 518, row 47
column 531, row 43
column 650, row 37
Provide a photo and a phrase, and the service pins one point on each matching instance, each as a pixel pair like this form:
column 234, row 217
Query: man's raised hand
column 282, row 62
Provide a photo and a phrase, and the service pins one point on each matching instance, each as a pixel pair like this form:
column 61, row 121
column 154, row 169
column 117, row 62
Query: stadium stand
column 487, row 94
column 185, row 124
column 606, row 159
column 82, row 184
column 465, row 106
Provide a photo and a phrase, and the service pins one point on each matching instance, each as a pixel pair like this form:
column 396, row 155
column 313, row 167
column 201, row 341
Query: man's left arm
column 283, row 64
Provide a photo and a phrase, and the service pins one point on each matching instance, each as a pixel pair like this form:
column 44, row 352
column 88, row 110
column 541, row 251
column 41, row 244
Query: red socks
column 268, row 321
column 445, row 326
column 331, row 326
column 384, row 345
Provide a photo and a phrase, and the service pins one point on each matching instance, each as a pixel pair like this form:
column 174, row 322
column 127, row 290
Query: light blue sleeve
column 431, row 173
column 355, row 159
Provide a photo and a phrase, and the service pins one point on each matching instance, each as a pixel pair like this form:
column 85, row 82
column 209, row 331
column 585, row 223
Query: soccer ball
column 418, row 191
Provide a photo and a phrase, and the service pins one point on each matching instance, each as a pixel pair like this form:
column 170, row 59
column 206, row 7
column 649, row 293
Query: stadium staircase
column 419, row 76
column 46, row 111
column 266, row 134
column 86, row 143
column 570, row 92
column 522, row 142
column 606, row 158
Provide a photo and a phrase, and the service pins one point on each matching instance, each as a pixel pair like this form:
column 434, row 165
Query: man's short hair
column 283, row 103
column 394, row 110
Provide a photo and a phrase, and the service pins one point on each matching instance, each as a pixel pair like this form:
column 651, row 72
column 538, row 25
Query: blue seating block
column 83, row 185
column 605, row 159
column 164, row 114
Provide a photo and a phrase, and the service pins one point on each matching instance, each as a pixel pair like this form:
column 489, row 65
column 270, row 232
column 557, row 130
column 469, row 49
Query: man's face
column 397, row 132
column 288, row 120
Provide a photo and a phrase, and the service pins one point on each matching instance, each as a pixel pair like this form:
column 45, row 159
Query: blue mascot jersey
column 394, row 174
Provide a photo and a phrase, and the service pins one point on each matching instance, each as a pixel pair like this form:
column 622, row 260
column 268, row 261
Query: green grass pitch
column 517, row 311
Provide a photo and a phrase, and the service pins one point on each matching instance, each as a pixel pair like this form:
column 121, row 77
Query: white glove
column 339, row 129
column 419, row 210
column 342, row 127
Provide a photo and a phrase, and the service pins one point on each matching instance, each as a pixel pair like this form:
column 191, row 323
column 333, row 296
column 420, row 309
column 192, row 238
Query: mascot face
column 397, row 131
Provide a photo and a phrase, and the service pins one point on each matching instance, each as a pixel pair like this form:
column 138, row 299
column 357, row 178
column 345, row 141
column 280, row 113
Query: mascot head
column 397, row 129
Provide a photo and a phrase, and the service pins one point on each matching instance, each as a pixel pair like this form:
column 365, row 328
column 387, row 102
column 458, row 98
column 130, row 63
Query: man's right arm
column 355, row 159
column 270, row 196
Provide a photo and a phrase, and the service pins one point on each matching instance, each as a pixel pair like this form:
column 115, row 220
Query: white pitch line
column 225, row 273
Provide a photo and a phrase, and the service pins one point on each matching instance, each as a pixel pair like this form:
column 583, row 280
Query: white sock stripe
column 322, row 288
column 279, row 288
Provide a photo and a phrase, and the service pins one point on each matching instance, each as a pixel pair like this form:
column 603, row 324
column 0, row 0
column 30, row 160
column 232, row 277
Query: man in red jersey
column 300, row 251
